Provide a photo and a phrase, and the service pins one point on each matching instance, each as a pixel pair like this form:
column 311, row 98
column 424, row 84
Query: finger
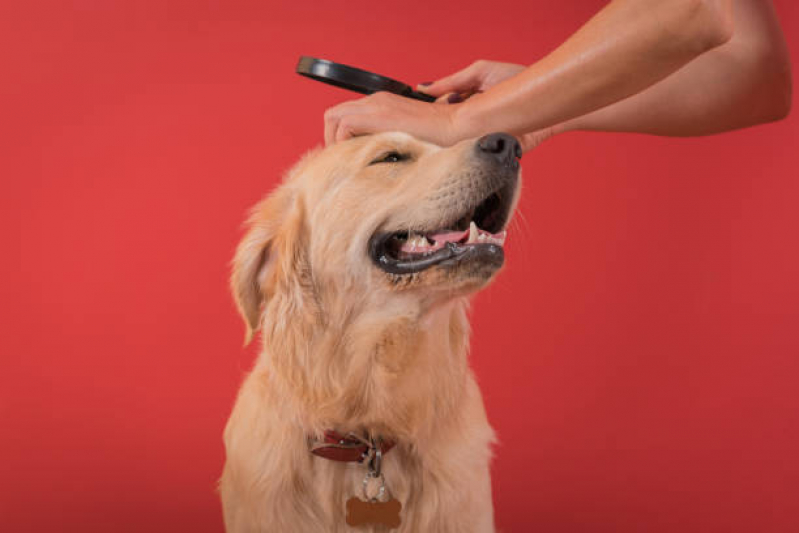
column 335, row 115
column 453, row 98
column 331, row 124
column 463, row 81
column 343, row 132
column 352, row 126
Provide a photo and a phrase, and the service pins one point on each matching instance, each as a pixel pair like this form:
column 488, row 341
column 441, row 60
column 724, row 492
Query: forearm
column 746, row 81
column 625, row 48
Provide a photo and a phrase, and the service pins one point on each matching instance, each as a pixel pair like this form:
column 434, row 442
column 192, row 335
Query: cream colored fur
column 348, row 347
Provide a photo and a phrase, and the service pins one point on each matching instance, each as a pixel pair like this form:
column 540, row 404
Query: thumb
column 464, row 81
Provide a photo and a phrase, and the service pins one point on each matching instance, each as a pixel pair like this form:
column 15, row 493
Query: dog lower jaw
column 447, row 257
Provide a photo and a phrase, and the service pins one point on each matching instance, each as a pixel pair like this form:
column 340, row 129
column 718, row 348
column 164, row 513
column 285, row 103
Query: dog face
column 378, row 217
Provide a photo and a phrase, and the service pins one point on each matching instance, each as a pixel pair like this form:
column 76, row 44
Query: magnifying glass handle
column 355, row 79
column 420, row 96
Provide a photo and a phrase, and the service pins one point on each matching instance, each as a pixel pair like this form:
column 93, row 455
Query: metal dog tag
column 371, row 510
column 361, row 513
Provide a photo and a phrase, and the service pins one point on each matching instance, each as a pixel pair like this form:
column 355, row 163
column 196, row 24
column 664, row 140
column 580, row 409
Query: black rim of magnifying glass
column 355, row 79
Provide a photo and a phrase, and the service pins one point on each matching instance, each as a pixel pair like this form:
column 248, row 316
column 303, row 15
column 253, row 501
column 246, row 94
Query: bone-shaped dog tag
column 361, row 513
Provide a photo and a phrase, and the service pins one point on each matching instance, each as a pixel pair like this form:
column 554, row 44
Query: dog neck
column 398, row 371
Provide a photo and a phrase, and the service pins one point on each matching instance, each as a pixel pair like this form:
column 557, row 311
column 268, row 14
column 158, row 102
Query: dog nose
column 501, row 147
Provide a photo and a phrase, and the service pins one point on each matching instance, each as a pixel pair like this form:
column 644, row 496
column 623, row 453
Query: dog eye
column 391, row 157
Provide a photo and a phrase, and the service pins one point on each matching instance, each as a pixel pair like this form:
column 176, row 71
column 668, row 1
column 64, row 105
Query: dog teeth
column 474, row 233
column 418, row 241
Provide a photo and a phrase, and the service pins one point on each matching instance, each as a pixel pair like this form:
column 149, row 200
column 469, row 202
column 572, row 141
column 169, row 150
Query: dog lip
column 408, row 266
column 448, row 255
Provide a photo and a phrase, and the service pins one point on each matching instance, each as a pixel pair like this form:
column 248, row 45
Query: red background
column 638, row 356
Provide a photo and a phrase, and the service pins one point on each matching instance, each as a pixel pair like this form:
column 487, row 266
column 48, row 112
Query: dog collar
column 376, row 508
column 350, row 447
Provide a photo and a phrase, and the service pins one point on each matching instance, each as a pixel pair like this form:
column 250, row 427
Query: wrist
column 463, row 120
column 563, row 127
column 581, row 122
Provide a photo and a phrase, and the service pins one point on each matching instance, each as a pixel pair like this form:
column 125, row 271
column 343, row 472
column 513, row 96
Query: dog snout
column 499, row 148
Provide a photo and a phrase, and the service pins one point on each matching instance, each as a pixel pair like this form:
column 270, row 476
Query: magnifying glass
column 355, row 79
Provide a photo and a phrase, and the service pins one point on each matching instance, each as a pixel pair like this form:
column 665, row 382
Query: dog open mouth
column 479, row 233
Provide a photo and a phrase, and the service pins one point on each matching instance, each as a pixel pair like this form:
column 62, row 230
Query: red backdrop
column 638, row 356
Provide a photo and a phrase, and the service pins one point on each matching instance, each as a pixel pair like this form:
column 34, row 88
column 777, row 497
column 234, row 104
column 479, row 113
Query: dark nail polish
column 455, row 98
column 426, row 83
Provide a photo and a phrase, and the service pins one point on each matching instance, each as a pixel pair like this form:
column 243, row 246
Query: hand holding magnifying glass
column 388, row 101
column 672, row 69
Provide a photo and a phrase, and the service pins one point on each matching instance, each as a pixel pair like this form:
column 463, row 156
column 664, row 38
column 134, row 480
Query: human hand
column 389, row 112
column 475, row 78
column 434, row 123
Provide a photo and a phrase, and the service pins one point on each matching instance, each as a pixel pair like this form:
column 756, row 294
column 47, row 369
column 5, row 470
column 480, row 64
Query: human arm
column 628, row 46
column 744, row 82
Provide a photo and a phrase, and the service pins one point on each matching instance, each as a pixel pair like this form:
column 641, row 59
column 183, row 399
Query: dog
column 362, row 413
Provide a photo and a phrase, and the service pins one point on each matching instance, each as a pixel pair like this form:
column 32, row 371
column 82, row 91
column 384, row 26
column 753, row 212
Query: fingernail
column 455, row 98
column 425, row 83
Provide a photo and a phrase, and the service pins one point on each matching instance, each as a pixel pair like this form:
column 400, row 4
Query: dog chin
column 465, row 274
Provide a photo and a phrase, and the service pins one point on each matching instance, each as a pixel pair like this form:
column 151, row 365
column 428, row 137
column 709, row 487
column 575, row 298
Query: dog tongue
column 449, row 236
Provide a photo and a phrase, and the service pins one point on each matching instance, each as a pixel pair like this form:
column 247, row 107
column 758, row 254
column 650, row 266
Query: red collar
column 349, row 447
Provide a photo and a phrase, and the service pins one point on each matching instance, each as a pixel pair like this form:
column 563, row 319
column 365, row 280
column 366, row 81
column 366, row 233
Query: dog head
column 378, row 221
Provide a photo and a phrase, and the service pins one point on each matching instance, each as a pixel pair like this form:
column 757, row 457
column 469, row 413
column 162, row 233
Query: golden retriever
column 357, row 270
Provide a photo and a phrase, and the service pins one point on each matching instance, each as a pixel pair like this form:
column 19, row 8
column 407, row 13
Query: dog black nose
column 503, row 148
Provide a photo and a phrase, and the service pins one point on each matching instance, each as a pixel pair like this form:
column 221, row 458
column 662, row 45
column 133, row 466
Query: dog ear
column 253, row 267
